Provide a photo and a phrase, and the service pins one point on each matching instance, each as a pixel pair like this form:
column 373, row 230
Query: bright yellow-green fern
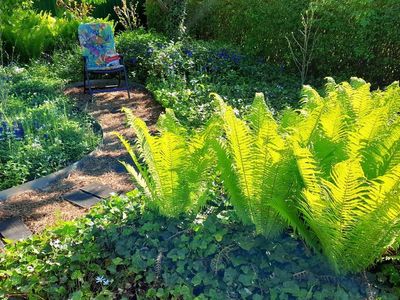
column 171, row 168
column 347, row 146
column 257, row 168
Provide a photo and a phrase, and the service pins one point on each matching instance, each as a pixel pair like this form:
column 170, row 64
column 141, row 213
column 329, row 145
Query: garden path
column 43, row 209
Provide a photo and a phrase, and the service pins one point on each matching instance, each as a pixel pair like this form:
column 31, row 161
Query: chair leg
column 89, row 83
column 84, row 81
column 127, row 84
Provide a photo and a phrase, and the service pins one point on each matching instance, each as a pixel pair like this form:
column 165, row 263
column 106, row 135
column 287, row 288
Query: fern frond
column 141, row 177
column 308, row 168
column 230, row 181
column 259, row 113
column 239, row 138
column 347, row 191
column 359, row 93
column 168, row 122
column 367, row 129
column 383, row 152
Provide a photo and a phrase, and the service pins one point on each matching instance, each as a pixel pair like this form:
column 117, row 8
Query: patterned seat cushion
column 97, row 42
column 114, row 67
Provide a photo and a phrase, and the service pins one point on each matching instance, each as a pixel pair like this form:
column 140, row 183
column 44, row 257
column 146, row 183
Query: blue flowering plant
column 40, row 130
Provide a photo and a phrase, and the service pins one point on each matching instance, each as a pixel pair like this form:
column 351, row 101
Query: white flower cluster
column 102, row 280
column 56, row 244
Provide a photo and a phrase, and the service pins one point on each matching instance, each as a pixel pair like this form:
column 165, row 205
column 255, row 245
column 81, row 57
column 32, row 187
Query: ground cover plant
column 121, row 250
column 40, row 130
column 181, row 75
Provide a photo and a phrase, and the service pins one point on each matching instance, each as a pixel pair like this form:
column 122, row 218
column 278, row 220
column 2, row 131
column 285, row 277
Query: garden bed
column 41, row 131
column 43, row 209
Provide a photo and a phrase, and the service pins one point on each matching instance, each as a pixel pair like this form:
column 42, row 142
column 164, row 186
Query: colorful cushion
column 97, row 42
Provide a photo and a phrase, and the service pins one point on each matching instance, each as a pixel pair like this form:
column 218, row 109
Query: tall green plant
column 347, row 146
column 258, row 169
column 170, row 169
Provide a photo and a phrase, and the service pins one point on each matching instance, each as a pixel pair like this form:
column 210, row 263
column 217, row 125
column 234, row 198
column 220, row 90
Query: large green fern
column 257, row 168
column 171, row 168
column 347, row 149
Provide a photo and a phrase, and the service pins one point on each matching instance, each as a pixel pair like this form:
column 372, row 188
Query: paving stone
column 14, row 229
column 98, row 190
column 81, row 199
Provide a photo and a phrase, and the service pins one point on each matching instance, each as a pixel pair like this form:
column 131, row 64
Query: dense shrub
column 182, row 74
column 357, row 37
column 26, row 33
column 123, row 251
column 40, row 130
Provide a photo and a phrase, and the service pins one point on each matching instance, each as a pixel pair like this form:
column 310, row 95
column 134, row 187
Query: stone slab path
column 99, row 174
column 14, row 229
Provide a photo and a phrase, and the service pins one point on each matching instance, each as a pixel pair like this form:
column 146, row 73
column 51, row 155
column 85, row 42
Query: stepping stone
column 14, row 229
column 81, row 199
column 99, row 190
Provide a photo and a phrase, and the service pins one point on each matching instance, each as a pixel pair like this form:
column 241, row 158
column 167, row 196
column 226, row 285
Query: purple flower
column 188, row 52
column 19, row 132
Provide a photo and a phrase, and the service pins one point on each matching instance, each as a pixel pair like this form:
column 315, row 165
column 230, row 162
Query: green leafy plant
column 258, row 169
column 347, row 146
column 41, row 131
column 128, row 15
column 171, row 169
column 120, row 250
column 182, row 74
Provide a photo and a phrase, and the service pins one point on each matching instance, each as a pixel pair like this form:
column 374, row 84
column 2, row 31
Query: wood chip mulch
column 41, row 210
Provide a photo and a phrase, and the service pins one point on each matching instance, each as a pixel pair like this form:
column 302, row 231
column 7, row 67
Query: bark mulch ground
column 40, row 210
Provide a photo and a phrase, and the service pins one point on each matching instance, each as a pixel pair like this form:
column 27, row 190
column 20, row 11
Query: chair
column 100, row 56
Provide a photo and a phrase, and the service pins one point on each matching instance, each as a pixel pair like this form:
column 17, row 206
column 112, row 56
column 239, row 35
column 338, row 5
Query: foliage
column 181, row 75
column 26, row 33
column 80, row 9
column 370, row 45
column 128, row 15
column 167, row 16
column 258, row 169
column 122, row 251
column 40, row 130
column 358, row 37
column 347, row 147
column 171, row 169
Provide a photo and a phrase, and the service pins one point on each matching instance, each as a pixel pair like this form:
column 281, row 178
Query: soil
column 43, row 209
